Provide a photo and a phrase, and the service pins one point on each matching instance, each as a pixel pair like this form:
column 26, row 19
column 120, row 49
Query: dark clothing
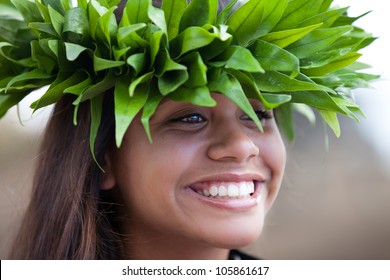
column 238, row 255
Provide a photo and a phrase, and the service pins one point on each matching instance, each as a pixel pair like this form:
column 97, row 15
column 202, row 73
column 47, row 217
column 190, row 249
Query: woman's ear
column 108, row 177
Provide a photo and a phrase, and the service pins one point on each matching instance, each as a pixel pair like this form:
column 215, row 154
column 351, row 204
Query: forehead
column 218, row 97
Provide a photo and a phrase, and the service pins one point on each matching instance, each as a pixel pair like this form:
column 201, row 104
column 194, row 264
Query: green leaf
column 173, row 10
column 100, row 64
column 56, row 5
column 137, row 61
column 171, row 75
column 8, row 101
column 44, row 27
column 287, row 37
column 205, row 11
column 283, row 116
column 326, row 18
column 96, row 116
column 325, row 5
column 144, row 79
column 240, row 58
column 347, row 20
column 305, row 111
column 35, row 74
column 357, row 65
column 28, row 86
column 246, row 20
column 224, row 14
column 323, row 58
column 126, row 107
column 56, row 89
column 155, row 44
column 128, row 37
column 137, row 11
column 273, row 81
column 354, row 40
column 76, row 26
column 95, row 12
column 197, row 70
column 248, row 85
column 274, row 58
column 331, row 119
column 251, row 90
column 318, row 99
column 11, row 30
column 119, row 53
column 334, row 65
column 148, row 110
column 229, row 86
column 106, row 29
column 4, row 46
column 112, row 3
column 276, row 99
column 218, row 45
column 346, row 79
column 98, row 87
column 78, row 89
column 349, row 107
column 198, row 96
column 57, row 20
column 83, row 4
column 316, row 41
column 28, row 9
column 73, row 51
column 42, row 53
column 157, row 16
column 192, row 38
column 50, row 56
column 296, row 12
column 273, row 11
column 43, row 11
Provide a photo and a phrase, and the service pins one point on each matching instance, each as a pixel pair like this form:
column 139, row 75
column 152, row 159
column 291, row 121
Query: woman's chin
column 236, row 237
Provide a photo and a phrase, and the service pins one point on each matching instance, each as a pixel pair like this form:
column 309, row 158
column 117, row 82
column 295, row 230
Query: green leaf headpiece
column 289, row 54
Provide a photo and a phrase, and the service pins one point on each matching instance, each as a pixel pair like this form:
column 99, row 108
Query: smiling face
column 207, row 180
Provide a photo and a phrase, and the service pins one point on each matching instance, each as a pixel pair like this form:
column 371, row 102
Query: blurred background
column 334, row 203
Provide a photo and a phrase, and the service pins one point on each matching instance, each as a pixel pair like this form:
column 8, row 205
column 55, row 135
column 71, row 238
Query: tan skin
column 194, row 148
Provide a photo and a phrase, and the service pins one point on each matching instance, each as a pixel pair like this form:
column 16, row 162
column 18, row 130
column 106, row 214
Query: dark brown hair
column 67, row 215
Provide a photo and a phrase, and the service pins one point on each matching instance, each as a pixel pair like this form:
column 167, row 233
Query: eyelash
column 263, row 114
column 196, row 118
column 190, row 119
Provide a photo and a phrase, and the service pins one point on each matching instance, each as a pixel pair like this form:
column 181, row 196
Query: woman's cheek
column 273, row 153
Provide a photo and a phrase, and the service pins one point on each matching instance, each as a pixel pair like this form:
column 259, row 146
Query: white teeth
column 233, row 190
column 222, row 191
column 243, row 189
column 213, row 191
column 230, row 190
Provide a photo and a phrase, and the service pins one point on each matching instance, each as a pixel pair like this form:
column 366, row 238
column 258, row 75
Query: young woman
column 198, row 182
column 202, row 187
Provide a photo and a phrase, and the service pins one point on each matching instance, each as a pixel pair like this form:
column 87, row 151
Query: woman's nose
column 232, row 143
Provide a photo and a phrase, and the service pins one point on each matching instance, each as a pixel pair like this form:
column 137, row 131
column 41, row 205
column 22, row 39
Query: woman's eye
column 261, row 114
column 190, row 119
